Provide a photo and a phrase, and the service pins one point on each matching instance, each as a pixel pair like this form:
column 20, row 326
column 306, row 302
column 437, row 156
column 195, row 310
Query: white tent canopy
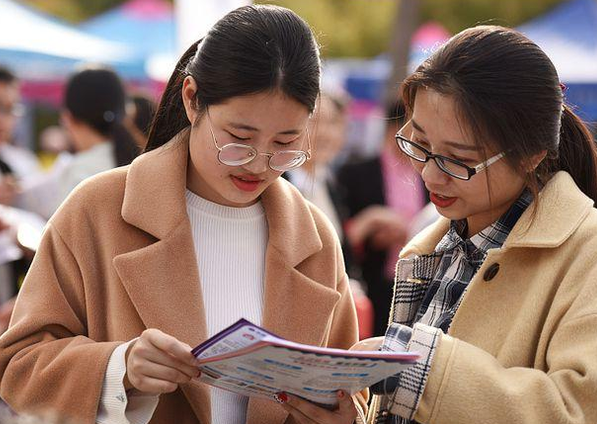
column 39, row 47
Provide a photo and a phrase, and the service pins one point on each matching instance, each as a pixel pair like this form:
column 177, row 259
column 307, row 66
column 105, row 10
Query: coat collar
column 560, row 209
column 295, row 306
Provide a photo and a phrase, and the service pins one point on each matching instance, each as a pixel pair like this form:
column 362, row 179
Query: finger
column 153, row 386
column 171, row 345
column 153, row 354
column 373, row 343
column 298, row 416
column 309, row 410
column 146, row 369
column 346, row 406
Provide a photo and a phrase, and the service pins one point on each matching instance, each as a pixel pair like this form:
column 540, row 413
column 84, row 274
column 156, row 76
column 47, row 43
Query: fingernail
column 341, row 394
column 281, row 397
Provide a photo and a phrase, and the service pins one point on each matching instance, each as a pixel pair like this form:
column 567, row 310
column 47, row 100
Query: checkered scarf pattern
column 427, row 292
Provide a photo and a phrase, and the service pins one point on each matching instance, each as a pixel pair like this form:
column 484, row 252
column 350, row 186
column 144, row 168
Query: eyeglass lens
column 444, row 164
column 238, row 154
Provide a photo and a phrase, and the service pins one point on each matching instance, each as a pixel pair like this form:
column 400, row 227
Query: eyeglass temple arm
column 211, row 130
column 308, row 144
column 489, row 161
column 406, row 125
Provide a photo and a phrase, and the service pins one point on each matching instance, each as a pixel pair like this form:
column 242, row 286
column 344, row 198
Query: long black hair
column 509, row 94
column 96, row 97
column 250, row 50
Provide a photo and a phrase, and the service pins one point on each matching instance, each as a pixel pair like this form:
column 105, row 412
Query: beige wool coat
column 522, row 347
column 118, row 257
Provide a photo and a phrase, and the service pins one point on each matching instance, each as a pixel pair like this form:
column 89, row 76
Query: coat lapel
column 162, row 278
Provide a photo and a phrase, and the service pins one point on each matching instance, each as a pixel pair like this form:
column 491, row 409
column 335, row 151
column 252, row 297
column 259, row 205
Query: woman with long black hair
column 143, row 262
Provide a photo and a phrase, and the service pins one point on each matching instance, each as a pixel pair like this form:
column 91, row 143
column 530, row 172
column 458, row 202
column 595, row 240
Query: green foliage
column 73, row 11
column 346, row 27
column 353, row 28
column 362, row 28
column 457, row 15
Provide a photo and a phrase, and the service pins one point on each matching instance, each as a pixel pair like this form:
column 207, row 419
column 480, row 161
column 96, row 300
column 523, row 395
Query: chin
column 452, row 215
column 239, row 200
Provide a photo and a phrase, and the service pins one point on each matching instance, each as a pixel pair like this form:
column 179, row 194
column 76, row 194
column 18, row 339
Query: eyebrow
column 454, row 144
column 250, row 128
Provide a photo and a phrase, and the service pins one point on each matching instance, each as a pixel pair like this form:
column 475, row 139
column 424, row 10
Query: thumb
column 345, row 403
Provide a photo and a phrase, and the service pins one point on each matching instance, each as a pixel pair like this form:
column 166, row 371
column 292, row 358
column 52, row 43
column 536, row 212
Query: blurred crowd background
column 79, row 82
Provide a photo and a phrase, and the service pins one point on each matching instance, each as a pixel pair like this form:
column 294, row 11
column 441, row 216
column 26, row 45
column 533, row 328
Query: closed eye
column 238, row 138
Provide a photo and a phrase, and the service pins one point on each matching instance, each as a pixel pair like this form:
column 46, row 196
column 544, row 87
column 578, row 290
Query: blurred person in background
column 317, row 183
column 315, row 179
column 381, row 195
column 93, row 116
column 18, row 162
column 17, row 165
column 53, row 141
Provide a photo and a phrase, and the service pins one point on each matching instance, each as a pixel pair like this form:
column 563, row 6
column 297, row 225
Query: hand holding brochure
column 246, row 359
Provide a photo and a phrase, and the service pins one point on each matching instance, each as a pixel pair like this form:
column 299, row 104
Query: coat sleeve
column 47, row 364
column 467, row 385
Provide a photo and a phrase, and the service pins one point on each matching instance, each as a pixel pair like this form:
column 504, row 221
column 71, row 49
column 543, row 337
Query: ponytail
column 577, row 153
column 125, row 148
column 170, row 117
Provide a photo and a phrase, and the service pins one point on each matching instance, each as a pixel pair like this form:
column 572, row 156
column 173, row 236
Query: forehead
column 267, row 111
column 438, row 115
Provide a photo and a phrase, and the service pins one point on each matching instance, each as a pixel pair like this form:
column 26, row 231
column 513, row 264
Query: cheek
column 417, row 166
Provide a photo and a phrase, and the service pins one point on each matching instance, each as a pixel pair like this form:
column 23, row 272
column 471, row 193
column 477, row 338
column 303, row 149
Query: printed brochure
column 247, row 359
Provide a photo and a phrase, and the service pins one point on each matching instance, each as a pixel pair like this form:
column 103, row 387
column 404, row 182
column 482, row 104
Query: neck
column 309, row 167
column 86, row 138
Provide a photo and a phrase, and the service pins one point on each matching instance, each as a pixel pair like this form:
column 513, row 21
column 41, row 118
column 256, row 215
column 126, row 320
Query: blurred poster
column 195, row 17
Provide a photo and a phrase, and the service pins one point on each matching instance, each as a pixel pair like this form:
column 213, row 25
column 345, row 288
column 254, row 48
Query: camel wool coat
column 118, row 257
column 522, row 348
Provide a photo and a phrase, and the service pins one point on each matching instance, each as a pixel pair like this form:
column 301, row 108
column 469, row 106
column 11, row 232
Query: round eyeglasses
column 237, row 154
column 452, row 167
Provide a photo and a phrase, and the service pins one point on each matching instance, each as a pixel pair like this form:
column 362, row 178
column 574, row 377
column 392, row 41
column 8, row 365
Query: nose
column 258, row 165
column 432, row 175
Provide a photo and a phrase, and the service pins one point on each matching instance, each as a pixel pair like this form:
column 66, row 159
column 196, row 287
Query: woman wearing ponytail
column 93, row 114
column 144, row 262
column 500, row 295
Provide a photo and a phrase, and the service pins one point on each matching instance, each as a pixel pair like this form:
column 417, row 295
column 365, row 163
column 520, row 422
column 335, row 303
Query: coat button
column 491, row 272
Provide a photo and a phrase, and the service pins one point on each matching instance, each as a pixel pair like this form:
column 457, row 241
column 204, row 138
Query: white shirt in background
column 44, row 194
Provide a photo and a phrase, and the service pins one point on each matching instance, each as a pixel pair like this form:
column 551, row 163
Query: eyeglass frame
column 256, row 152
column 428, row 155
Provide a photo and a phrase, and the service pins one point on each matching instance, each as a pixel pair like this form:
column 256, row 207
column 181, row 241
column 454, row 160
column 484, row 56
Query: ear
column 533, row 162
column 189, row 90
